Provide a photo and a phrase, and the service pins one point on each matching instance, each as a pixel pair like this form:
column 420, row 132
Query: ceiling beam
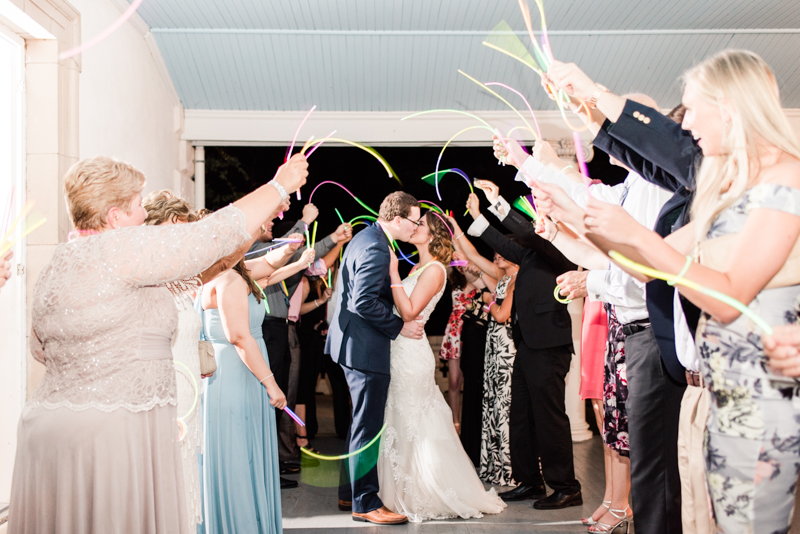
column 479, row 33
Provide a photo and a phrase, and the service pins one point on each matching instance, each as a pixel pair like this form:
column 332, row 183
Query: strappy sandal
column 622, row 515
column 590, row 520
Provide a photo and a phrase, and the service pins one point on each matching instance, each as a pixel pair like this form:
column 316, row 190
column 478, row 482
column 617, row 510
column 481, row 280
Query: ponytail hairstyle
column 745, row 81
column 441, row 246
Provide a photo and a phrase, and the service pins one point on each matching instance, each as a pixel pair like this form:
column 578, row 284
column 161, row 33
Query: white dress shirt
column 643, row 201
column 684, row 342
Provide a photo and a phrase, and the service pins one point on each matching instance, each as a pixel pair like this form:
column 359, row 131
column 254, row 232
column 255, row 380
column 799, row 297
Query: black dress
column 473, row 344
column 313, row 362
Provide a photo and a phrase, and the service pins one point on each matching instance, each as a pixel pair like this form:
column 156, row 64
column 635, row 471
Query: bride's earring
column 430, row 241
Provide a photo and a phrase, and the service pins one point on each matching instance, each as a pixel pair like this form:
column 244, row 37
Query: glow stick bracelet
column 722, row 297
column 308, row 239
column 545, row 36
column 538, row 132
column 327, row 285
column 293, row 416
column 431, row 204
column 330, row 275
column 264, row 298
column 319, row 144
column 285, row 240
column 495, row 93
column 285, row 289
column 587, row 181
column 28, row 230
column 558, row 296
column 306, row 145
column 437, row 175
column 102, row 35
column 348, row 455
column 348, row 192
column 341, row 219
column 459, row 263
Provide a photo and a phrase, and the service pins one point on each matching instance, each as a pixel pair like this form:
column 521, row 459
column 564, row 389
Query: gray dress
column 97, row 444
column 753, row 429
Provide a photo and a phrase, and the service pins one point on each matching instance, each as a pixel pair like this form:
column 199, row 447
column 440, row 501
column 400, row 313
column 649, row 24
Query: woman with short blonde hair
column 97, row 443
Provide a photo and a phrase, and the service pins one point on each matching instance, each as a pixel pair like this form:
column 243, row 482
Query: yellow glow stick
column 506, row 102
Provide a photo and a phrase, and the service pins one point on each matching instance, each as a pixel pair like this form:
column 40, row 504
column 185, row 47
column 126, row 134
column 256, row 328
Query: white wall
column 126, row 107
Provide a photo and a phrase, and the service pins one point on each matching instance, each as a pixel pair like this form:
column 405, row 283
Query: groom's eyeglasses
column 415, row 223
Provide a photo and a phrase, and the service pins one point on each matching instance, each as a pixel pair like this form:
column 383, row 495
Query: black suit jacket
column 663, row 153
column 538, row 318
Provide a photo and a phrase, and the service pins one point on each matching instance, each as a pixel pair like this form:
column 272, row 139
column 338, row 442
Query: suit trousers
column 287, row 440
column 539, row 426
column 695, row 515
column 654, row 405
column 276, row 338
column 359, row 476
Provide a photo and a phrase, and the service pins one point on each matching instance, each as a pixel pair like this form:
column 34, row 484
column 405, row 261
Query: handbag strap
column 198, row 307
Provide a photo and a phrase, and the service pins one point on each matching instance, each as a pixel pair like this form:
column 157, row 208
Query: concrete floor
column 312, row 510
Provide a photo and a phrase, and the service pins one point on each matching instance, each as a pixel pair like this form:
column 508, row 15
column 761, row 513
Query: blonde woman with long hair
column 742, row 241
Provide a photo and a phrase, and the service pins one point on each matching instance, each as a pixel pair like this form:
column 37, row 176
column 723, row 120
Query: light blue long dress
column 241, row 473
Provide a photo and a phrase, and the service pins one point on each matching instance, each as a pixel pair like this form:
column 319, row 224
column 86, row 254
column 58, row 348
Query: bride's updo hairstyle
column 441, row 247
column 95, row 185
column 744, row 83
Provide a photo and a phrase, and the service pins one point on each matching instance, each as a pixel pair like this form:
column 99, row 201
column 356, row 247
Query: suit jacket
column 663, row 153
column 538, row 318
column 363, row 325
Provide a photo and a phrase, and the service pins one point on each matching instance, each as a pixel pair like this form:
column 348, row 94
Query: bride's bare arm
column 429, row 283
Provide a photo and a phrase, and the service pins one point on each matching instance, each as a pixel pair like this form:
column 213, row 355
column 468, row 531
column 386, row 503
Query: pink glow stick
column 319, row 143
column 294, row 139
column 538, row 132
column 459, row 263
column 294, row 416
column 105, row 33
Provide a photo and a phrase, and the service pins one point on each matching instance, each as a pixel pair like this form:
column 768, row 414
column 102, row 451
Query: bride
column 423, row 470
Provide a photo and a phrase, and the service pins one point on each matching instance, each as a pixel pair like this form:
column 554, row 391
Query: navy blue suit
column 359, row 339
column 664, row 154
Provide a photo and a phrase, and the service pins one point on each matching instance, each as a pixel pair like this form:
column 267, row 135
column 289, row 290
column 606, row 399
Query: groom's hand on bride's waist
column 413, row 330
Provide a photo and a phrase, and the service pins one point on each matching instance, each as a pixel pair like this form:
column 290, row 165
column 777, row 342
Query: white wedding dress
column 423, row 470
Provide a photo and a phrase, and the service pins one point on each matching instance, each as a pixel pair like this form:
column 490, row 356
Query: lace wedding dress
column 423, row 470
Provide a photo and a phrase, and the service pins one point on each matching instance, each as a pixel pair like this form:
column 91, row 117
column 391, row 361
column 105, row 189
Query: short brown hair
column 163, row 206
column 397, row 204
column 95, row 185
column 677, row 113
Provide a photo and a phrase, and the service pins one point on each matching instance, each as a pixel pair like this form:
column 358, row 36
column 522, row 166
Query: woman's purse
column 205, row 349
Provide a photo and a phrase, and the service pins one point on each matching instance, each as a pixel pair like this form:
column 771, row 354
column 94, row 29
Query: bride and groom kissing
column 422, row 471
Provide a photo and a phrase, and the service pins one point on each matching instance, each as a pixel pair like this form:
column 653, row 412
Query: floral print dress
column 451, row 344
column 615, row 388
column 753, row 429
column 499, row 357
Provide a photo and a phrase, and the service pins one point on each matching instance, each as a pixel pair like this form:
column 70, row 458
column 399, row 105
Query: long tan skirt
column 95, row 472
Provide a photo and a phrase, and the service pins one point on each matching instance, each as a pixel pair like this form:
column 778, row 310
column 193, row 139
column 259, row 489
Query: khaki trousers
column 695, row 513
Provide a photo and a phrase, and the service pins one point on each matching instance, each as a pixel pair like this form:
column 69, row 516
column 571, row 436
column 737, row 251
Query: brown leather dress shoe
column 345, row 506
column 381, row 516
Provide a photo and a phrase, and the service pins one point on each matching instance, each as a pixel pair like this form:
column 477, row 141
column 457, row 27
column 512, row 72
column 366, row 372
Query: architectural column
column 199, row 177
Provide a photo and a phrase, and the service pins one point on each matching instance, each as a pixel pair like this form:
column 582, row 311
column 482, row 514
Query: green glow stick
column 340, row 215
column 722, row 297
column 314, row 234
column 345, row 456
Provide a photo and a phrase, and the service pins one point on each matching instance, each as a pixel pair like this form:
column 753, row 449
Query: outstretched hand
column 490, row 189
column 610, row 222
column 570, row 78
column 783, row 350
column 552, row 200
column 509, row 151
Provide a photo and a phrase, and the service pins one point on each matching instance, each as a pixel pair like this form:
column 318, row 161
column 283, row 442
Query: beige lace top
column 102, row 319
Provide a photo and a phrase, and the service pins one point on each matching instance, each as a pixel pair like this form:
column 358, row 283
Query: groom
column 359, row 339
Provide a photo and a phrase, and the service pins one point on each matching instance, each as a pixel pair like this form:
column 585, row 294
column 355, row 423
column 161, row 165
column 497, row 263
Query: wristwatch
column 599, row 90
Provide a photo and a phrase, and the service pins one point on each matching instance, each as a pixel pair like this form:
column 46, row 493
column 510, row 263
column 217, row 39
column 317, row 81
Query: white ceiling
column 403, row 55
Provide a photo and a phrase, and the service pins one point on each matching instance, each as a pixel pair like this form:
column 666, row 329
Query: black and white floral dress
column 498, row 363
column 753, row 428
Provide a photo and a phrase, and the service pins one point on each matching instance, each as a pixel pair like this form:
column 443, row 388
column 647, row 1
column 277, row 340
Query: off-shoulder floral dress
column 753, row 429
